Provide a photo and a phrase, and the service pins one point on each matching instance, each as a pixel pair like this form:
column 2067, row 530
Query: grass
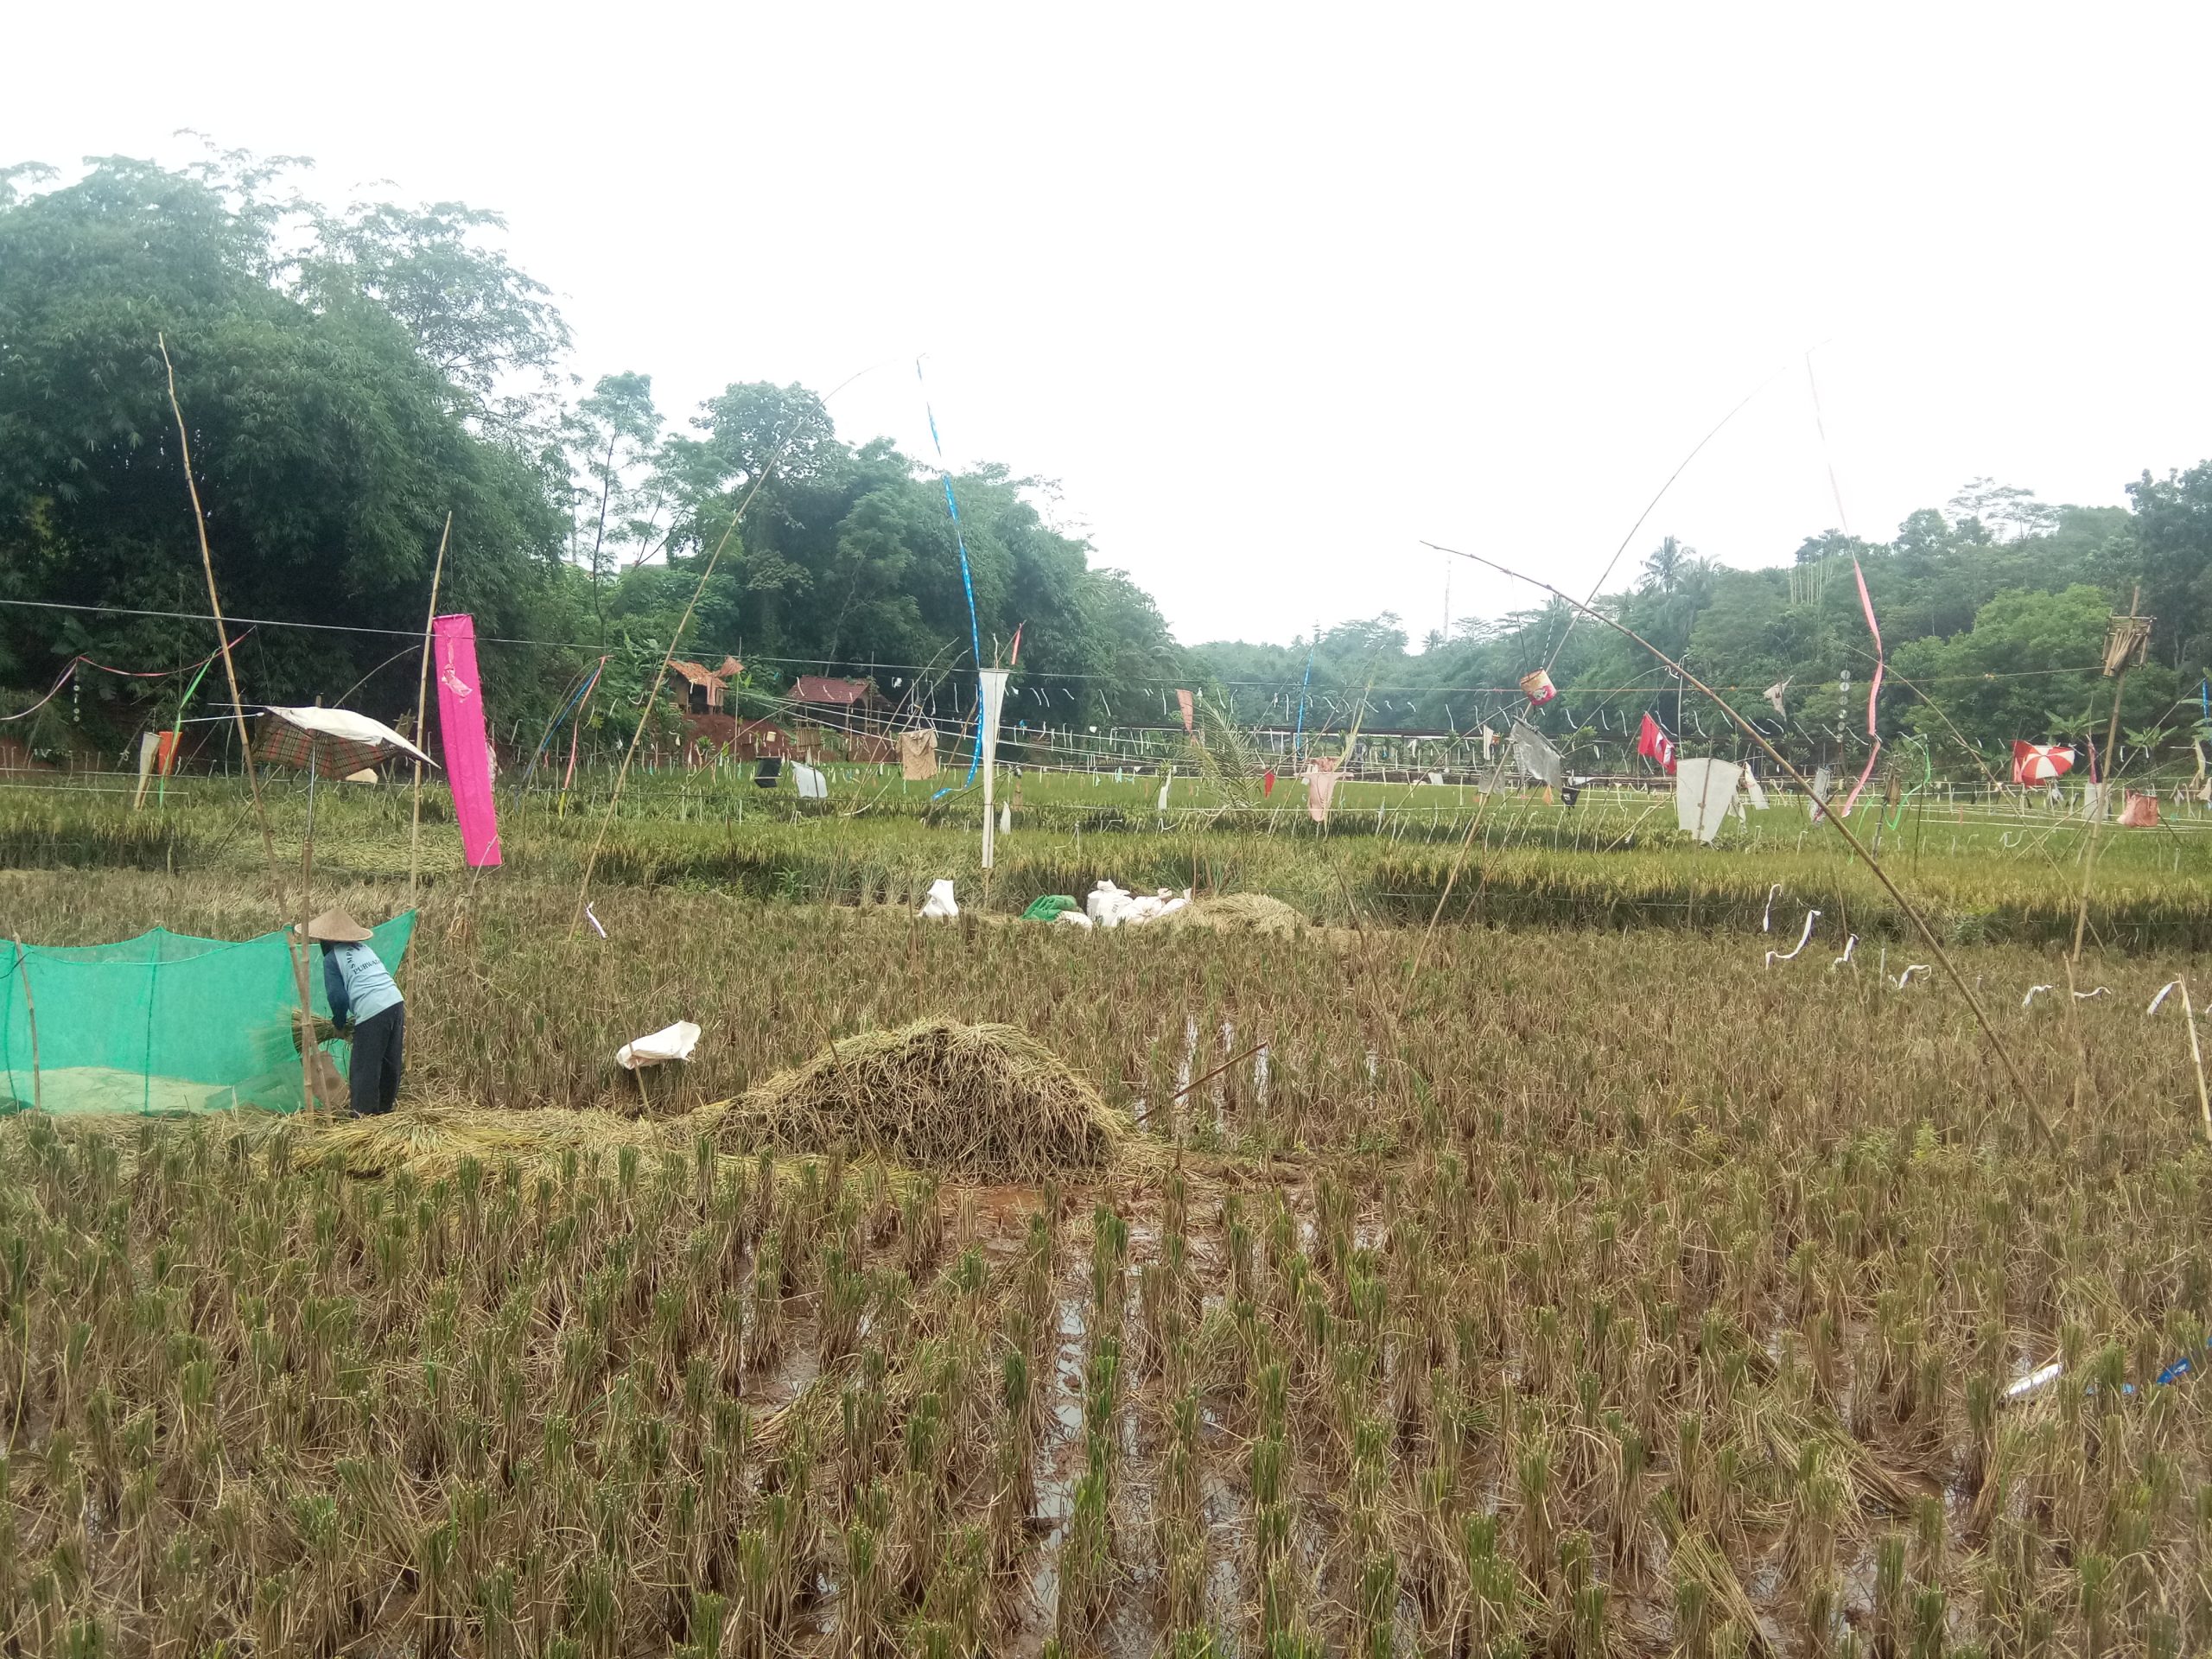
column 1614, row 861
column 1603, row 1289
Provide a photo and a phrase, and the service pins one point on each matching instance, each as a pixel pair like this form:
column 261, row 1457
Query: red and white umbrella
column 2040, row 763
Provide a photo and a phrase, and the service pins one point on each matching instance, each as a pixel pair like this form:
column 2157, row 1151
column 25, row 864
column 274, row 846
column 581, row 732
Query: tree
column 616, row 503
column 476, row 319
column 1662, row 566
column 2172, row 557
column 2029, row 668
column 329, row 447
column 2003, row 508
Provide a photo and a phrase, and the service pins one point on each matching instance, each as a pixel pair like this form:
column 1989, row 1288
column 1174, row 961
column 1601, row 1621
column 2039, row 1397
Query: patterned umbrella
column 334, row 742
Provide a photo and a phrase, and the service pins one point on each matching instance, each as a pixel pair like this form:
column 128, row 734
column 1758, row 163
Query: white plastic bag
column 673, row 1042
column 940, row 905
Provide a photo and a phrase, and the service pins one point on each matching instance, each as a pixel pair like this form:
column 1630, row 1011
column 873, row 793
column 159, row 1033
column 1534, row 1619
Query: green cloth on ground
column 1044, row 909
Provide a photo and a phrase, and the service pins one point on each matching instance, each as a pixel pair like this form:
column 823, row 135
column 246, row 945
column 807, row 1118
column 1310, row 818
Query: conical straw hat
column 336, row 927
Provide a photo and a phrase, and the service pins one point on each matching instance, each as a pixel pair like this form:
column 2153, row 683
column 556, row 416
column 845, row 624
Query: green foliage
column 1994, row 612
column 351, row 376
column 330, row 444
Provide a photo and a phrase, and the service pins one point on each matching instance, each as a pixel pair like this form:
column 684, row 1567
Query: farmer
column 362, row 996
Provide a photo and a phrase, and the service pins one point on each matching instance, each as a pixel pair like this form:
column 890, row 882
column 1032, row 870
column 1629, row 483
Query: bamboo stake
column 1926, row 933
column 1216, row 1072
column 2104, row 795
column 38, row 1089
column 421, row 708
column 2196, row 1057
column 296, row 944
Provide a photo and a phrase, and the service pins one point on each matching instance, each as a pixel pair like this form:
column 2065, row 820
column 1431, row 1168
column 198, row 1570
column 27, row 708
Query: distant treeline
column 351, row 376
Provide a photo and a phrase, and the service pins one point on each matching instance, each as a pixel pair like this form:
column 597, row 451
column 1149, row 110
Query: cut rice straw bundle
column 1240, row 912
column 433, row 1142
column 987, row 1100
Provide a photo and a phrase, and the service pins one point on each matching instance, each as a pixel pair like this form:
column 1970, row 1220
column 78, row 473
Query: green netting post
column 153, row 999
column 30, row 1018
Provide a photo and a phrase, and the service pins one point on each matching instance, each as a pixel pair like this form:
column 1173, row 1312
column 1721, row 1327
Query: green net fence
column 162, row 1023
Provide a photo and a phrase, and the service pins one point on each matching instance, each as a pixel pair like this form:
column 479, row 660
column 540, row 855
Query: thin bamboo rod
column 38, row 1095
column 421, row 710
column 295, row 942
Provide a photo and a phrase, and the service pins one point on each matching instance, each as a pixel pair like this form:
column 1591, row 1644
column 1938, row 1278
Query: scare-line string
column 1873, row 864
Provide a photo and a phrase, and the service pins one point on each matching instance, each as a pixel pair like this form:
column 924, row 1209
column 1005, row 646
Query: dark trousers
column 378, row 1054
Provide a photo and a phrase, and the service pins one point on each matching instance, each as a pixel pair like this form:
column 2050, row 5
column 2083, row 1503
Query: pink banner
column 460, row 732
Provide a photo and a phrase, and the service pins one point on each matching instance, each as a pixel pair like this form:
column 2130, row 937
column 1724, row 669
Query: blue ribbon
column 1298, row 738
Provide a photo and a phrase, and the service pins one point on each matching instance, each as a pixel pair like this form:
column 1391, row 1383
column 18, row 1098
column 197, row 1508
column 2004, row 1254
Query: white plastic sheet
column 994, row 699
column 812, row 785
column 1537, row 757
column 673, row 1042
column 1703, row 790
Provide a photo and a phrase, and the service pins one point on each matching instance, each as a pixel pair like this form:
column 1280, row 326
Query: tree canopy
column 1994, row 619
column 350, row 376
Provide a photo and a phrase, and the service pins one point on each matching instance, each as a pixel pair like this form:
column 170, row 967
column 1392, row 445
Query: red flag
column 1267, row 782
column 1184, row 698
column 1653, row 743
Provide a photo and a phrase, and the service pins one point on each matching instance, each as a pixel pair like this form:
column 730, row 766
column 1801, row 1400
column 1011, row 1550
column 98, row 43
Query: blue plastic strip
column 967, row 581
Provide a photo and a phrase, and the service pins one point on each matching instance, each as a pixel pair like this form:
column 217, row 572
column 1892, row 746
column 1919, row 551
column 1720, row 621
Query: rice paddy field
column 1573, row 1279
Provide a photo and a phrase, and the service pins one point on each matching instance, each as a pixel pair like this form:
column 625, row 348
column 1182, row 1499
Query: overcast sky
column 1272, row 293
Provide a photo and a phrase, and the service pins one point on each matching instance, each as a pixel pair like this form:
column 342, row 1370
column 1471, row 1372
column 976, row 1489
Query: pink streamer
column 1873, row 688
column 460, row 731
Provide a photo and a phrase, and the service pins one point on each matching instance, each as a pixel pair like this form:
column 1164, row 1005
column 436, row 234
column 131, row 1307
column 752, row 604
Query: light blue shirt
column 357, row 984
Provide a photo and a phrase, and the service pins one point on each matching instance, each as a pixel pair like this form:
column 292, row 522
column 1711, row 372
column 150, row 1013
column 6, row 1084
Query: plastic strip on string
column 1873, row 686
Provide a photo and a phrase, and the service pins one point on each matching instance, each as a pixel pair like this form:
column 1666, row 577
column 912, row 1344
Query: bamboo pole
column 660, row 674
column 296, row 943
column 1911, row 910
column 421, row 708
column 2104, row 791
column 38, row 1089
column 2196, row 1058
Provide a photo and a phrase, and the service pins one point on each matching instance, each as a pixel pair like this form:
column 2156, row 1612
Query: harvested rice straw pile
column 1240, row 912
column 434, row 1141
column 989, row 1102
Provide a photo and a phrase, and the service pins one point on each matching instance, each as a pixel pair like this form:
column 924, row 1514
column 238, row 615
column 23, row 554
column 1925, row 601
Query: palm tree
column 1663, row 567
